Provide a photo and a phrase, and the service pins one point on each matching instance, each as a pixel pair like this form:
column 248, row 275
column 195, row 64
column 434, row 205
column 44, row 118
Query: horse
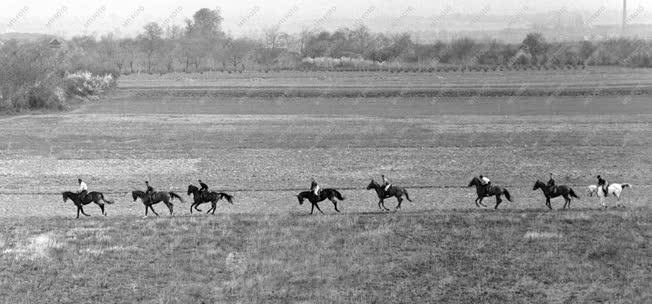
column 393, row 191
column 91, row 197
column 487, row 191
column 614, row 189
column 157, row 197
column 562, row 190
column 207, row 197
column 327, row 193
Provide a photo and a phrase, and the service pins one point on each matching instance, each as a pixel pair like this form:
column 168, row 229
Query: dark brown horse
column 328, row 193
column 91, row 197
column 561, row 190
column 393, row 191
column 156, row 197
column 207, row 197
column 486, row 191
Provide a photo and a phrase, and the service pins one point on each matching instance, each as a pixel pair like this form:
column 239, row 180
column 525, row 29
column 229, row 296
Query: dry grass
column 265, row 249
column 450, row 256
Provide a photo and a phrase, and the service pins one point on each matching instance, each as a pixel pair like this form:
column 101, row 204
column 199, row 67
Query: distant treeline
column 201, row 45
column 37, row 74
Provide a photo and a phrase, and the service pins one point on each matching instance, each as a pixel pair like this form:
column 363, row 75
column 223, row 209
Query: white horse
column 613, row 189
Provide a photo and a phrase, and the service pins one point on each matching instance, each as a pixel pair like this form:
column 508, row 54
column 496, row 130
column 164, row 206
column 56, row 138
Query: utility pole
column 624, row 17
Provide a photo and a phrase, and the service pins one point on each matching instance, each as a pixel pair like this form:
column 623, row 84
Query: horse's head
column 538, row 185
column 65, row 196
column 372, row 185
column 191, row 189
column 300, row 198
column 474, row 182
column 134, row 195
column 592, row 189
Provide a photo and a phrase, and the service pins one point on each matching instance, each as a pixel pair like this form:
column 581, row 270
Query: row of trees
column 201, row 44
column 534, row 50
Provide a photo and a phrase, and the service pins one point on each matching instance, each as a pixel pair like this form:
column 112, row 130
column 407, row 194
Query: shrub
column 83, row 84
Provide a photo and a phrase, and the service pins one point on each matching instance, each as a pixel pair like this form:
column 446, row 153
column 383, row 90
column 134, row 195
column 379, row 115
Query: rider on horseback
column 604, row 184
column 386, row 184
column 314, row 187
column 485, row 181
column 83, row 190
column 149, row 190
column 204, row 188
column 552, row 188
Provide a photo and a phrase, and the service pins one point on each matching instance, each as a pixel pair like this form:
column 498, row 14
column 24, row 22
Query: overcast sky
column 73, row 17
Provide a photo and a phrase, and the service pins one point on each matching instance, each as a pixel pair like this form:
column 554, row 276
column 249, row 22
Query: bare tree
column 151, row 40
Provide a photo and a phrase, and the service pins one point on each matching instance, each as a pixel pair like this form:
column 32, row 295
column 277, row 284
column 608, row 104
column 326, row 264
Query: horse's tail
column 228, row 197
column 338, row 195
column 507, row 195
column 625, row 186
column 407, row 196
column 174, row 195
column 106, row 200
column 572, row 193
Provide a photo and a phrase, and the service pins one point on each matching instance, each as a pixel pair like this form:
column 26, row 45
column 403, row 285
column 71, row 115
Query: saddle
column 387, row 193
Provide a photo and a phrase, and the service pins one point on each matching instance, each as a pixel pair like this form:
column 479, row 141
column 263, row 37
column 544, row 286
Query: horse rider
column 83, row 190
column 314, row 187
column 551, row 184
column 203, row 189
column 386, row 183
column 604, row 184
column 484, row 181
column 149, row 190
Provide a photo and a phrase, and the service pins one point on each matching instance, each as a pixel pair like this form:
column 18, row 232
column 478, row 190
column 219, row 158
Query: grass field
column 610, row 81
column 451, row 256
column 265, row 149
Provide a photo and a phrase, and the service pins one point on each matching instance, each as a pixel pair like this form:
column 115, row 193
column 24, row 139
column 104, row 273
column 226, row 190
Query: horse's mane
column 303, row 193
column 69, row 195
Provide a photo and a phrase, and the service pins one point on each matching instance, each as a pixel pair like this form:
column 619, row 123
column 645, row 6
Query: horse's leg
column 214, row 206
column 77, row 211
column 476, row 203
column 480, row 201
column 383, row 204
column 82, row 211
column 167, row 203
column 322, row 212
column 334, row 204
column 146, row 209
column 191, row 205
column 399, row 202
column 548, row 203
column 312, row 207
column 566, row 201
column 152, row 208
column 498, row 201
column 101, row 206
